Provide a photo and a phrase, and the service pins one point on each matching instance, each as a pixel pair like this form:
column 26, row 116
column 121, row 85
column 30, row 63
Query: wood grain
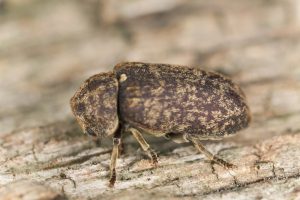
column 49, row 48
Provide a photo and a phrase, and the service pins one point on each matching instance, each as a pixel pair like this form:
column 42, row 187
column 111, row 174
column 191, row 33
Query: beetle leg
column 145, row 146
column 114, row 156
column 202, row 149
column 122, row 148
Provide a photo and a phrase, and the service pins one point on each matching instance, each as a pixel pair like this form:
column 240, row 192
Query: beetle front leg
column 114, row 156
column 113, row 162
column 145, row 146
column 202, row 149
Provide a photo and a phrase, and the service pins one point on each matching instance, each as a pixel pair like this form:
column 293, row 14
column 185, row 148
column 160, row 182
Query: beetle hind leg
column 145, row 146
column 210, row 156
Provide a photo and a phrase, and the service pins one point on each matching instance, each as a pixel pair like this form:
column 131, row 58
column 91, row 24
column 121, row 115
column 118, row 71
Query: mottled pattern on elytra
column 95, row 105
column 161, row 98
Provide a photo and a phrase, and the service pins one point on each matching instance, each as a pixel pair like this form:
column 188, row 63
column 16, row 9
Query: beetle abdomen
column 167, row 98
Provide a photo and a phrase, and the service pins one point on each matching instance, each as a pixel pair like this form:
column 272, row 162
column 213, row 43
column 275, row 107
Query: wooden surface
column 47, row 48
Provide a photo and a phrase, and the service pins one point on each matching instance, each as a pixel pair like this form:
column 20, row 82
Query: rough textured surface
column 61, row 157
column 30, row 190
column 48, row 48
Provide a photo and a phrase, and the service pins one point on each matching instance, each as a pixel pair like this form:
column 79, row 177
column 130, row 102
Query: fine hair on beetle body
column 181, row 103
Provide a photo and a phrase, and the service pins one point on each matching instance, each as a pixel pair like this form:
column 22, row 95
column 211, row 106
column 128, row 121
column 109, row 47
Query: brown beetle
column 180, row 103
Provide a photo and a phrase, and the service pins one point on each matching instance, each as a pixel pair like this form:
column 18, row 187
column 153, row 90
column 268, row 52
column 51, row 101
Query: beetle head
column 95, row 105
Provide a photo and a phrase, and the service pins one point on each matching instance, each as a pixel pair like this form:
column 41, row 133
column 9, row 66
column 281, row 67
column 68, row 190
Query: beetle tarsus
column 223, row 163
column 202, row 149
column 153, row 156
column 112, row 179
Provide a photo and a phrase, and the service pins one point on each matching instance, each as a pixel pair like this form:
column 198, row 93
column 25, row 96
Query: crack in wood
column 241, row 185
column 73, row 161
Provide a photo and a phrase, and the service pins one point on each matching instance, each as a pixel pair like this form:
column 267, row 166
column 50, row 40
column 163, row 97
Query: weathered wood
column 45, row 56
column 24, row 189
column 60, row 157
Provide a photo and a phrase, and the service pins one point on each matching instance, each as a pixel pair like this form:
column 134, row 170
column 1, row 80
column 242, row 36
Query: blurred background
column 48, row 48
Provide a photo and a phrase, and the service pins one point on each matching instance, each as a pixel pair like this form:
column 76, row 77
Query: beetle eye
column 90, row 132
column 80, row 108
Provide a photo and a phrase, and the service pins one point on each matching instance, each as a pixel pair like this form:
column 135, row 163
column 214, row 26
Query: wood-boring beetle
column 180, row 103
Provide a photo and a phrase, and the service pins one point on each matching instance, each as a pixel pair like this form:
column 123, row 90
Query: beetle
column 180, row 103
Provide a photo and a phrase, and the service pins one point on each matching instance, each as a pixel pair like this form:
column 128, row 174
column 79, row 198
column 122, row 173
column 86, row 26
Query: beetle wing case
column 95, row 105
column 161, row 98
